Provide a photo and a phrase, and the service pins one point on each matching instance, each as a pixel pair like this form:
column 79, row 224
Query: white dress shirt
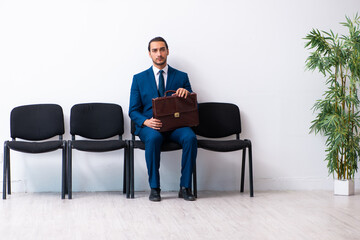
column 156, row 74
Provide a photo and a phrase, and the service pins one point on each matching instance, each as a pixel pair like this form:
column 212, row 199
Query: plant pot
column 344, row 187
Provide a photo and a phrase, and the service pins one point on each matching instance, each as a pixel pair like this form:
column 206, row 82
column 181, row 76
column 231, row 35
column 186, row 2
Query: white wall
column 250, row 53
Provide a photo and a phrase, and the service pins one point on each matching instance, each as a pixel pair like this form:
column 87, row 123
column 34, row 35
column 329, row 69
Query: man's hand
column 153, row 123
column 182, row 92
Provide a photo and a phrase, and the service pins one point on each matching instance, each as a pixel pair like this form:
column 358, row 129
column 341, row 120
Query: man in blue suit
column 150, row 84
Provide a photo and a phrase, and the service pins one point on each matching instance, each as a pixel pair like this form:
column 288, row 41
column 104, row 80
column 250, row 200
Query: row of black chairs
column 98, row 127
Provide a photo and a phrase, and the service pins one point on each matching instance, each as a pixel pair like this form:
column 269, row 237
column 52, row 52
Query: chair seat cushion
column 98, row 146
column 223, row 146
column 35, row 147
column 166, row 147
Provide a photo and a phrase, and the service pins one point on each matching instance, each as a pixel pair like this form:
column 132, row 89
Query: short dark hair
column 157, row 39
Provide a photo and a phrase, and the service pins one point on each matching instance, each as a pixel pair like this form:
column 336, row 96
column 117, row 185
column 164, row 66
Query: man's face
column 158, row 53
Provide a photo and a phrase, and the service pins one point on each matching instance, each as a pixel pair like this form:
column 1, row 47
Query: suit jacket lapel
column 152, row 80
column 170, row 78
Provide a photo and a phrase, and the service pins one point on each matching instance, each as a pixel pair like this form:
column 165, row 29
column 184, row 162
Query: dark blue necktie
column 161, row 84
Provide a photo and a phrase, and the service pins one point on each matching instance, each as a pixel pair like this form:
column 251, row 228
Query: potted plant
column 338, row 59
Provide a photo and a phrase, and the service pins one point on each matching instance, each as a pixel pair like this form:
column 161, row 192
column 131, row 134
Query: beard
column 160, row 62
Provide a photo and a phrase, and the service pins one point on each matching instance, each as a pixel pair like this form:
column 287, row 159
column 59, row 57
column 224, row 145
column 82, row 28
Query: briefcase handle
column 168, row 92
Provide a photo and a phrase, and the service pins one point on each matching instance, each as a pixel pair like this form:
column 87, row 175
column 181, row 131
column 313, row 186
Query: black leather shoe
column 186, row 194
column 155, row 195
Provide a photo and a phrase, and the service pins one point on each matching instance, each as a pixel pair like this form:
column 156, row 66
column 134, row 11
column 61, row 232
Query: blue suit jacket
column 144, row 89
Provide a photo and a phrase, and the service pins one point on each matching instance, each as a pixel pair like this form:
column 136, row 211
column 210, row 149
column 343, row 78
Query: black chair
column 218, row 120
column 36, row 124
column 166, row 147
column 97, row 123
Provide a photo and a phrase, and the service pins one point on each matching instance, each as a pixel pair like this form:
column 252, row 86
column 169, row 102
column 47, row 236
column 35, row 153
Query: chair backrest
column 217, row 120
column 37, row 122
column 96, row 120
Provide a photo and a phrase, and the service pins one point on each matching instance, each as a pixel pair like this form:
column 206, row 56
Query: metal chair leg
column 69, row 173
column 8, row 170
column 194, row 180
column 131, row 174
column 66, row 170
column 5, row 170
column 251, row 171
column 127, row 170
column 124, row 172
column 243, row 170
column 63, row 178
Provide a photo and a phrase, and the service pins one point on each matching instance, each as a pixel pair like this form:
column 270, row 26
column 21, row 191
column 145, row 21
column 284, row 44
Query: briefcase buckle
column 177, row 114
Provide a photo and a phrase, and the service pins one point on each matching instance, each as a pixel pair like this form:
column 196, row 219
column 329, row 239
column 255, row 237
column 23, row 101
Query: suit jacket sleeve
column 187, row 85
column 136, row 106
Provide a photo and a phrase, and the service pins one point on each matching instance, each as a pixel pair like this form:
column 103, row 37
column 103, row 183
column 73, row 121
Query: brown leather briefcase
column 175, row 112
